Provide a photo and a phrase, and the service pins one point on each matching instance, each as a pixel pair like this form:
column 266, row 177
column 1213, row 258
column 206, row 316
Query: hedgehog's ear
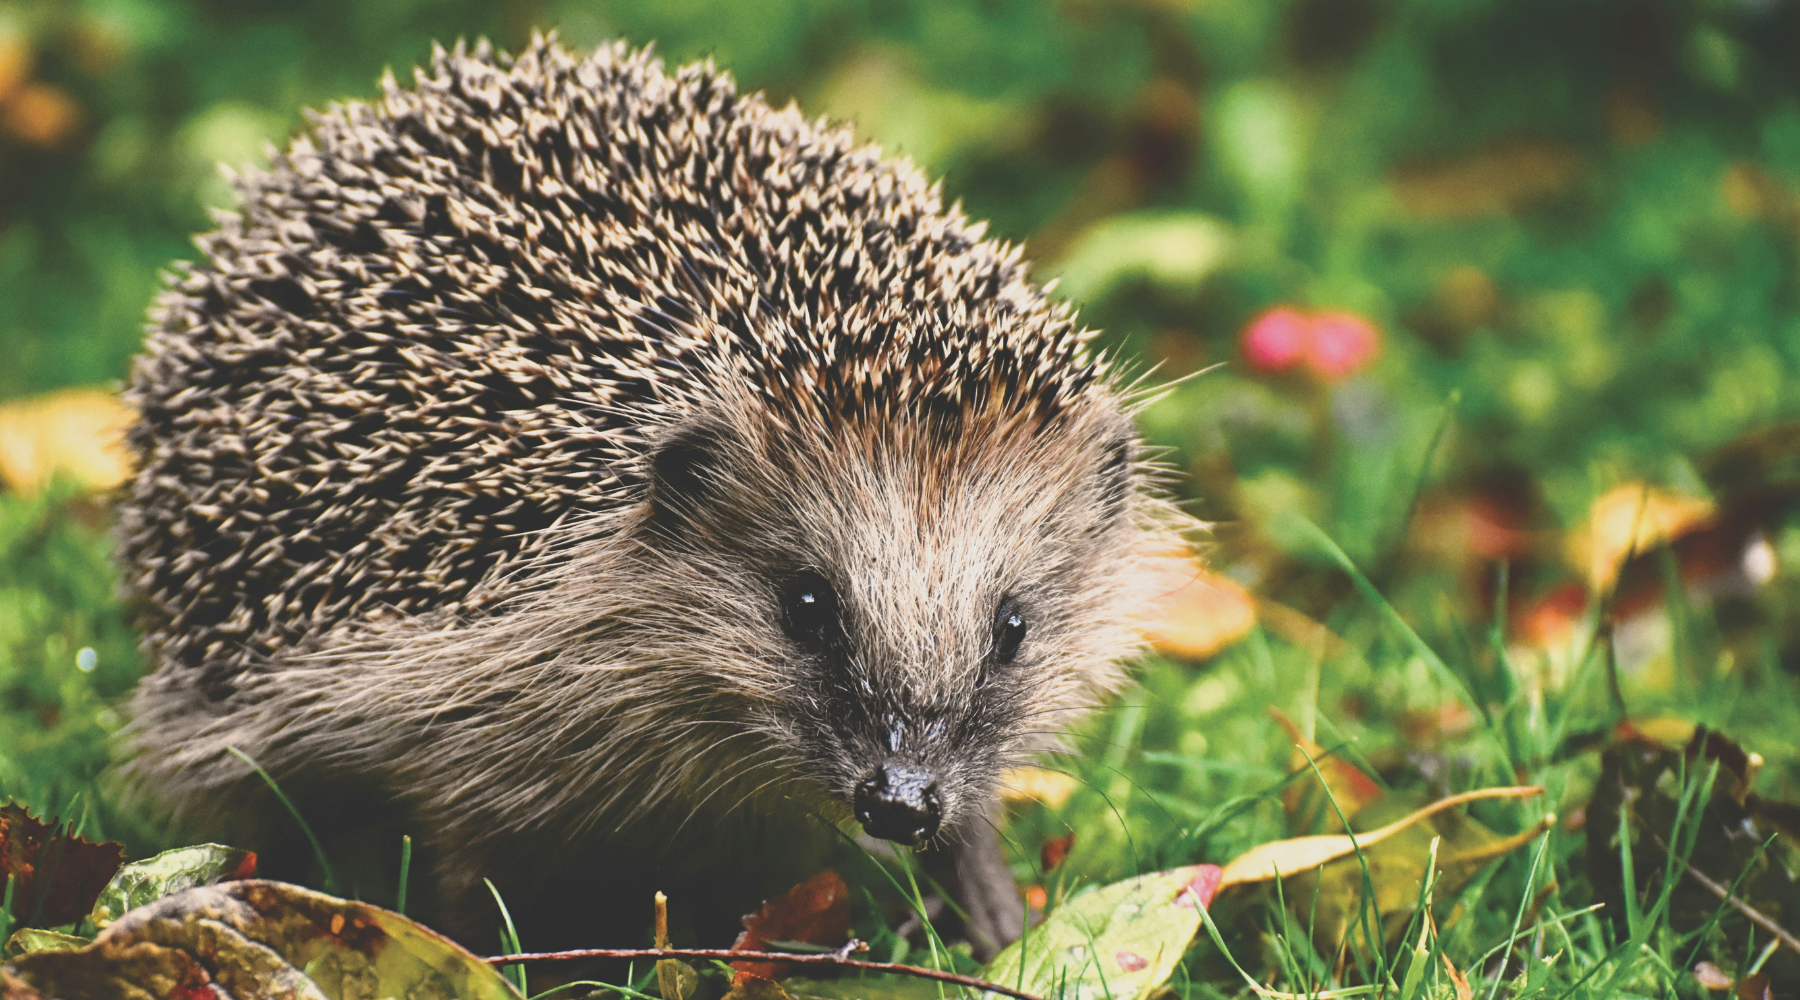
column 685, row 468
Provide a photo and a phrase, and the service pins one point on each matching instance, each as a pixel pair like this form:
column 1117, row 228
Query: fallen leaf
column 1457, row 979
column 1037, row 784
column 170, row 872
column 1711, row 976
column 1119, row 942
column 1757, row 987
column 56, row 875
column 80, row 432
column 1631, row 517
column 1195, row 612
column 1330, row 897
column 817, row 911
column 29, row 939
column 1286, row 857
column 253, row 939
column 1641, row 778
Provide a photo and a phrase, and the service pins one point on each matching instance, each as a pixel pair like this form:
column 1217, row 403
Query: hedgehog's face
column 909, row 617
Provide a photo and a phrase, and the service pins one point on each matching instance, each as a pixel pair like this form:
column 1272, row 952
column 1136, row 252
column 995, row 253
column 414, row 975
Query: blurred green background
column 1493, row 291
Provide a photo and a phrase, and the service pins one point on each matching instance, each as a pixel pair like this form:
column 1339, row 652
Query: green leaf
column 165, row 874
column 1118, row 942
column 30, row 939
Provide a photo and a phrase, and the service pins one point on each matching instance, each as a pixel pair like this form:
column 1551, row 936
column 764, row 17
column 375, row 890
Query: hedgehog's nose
column 898, row 803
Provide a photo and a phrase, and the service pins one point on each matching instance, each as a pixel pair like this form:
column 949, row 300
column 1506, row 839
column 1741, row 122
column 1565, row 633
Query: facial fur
column 927, row 556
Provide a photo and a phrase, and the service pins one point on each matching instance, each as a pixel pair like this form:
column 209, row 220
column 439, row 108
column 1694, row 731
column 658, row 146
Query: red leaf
column 1055, row 850
column 817, row 911
column 56, row 875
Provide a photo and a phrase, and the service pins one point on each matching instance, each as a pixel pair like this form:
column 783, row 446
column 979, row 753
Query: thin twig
column 1756, row 916
column 800, row 958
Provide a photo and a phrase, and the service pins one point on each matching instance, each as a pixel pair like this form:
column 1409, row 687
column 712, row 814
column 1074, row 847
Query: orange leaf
column 1195, row 612
column 1463, row 992
column 817, row 911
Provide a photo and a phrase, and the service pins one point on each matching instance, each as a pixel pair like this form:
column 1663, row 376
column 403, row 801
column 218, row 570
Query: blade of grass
column 1370, row 926
column 1398, row 538
column 331, row 882
column 405, row 870
column 1423, row 650
column 1519, row 918
column 509, row 940
column 6, row 901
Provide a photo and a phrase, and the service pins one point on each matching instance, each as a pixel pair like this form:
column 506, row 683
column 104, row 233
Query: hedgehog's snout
column 899, row 803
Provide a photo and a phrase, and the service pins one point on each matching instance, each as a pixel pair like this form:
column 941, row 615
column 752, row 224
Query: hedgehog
column 617, row 482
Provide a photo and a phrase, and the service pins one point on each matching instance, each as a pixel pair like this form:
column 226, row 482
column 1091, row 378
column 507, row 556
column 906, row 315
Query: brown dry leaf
column 252, row 939
column 1631, row 517
column 1642, row 779
column 41, row 114
column 1757, row 987
column 80, row 432
column 56, row 875
column 1195, row 612
column 1505, row 178
column 1286, row 857
column 817, row 911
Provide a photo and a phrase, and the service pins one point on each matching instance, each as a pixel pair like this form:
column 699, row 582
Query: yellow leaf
column 1632, row 517
column 1036, row 784
column 79, row 432
column 1298, row 854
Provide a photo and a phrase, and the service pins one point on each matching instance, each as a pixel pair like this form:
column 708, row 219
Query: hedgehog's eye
column 1009, row 630
column 809, row 609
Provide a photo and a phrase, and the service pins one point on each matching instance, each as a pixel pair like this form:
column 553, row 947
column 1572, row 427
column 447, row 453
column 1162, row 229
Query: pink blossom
column 1277, row 339
column 1342, row 343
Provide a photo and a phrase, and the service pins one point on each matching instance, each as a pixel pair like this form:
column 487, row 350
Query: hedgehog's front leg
column 974, row 871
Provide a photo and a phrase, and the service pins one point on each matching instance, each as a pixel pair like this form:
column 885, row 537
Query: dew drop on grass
column 87, row 659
